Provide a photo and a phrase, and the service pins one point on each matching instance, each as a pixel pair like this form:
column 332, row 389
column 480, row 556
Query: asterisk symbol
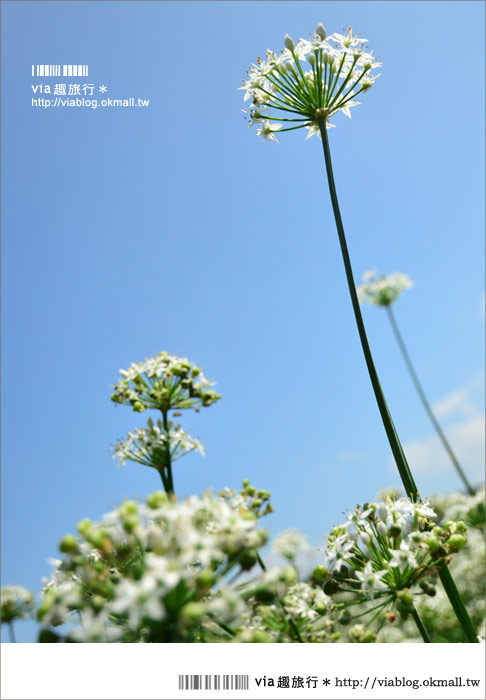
column 103, row 88
column 326, row 681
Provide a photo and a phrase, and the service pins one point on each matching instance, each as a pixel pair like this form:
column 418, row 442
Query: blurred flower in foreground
column 17, row 603
column 153, row 572
column 382, row 290
column 339, row 70
column 290, row 543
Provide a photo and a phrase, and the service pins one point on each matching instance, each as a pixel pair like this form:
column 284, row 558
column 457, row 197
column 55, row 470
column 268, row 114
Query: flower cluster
column 283, row 609
column 16, row 603
column 164, row 382
column 382, row 290
column 339, row 70
column 468, row 571
column 155, row 446
column 290, row 543
column 389, row 551
column 152, row 572
column 249, row 498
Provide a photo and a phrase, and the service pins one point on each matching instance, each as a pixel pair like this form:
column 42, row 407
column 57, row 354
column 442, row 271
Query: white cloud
column 457, row 402
column 348, row 456
column 465, row 432
column 467, row 440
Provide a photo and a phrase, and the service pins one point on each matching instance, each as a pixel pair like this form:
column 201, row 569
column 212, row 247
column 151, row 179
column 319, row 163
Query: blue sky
column 127, row 231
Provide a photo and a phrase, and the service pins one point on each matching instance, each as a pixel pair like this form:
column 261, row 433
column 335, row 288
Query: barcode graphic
column 208, row 682
column 55, row 70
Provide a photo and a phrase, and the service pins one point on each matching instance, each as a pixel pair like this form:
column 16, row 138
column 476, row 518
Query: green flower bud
column 68, row 544
column 157, row 499
column 130, row 522
column 43, row 608
column 248, row 515
column 264, row 594
column 437, row 530
column 128, row 508
column 288, row 575
column 456, row 542
column 250, row 490
column 137, row 570
column 248, row 559
column 405, row 609
column 319, row 573
column 246, row 482
column 405, row 596
column 97, row 603
column 98, row 538
column 193, row 612
column 368, row 637
column 138, row 407
column 461, row 526
column 255, row 637
column 98, row 566
column 428, row 588
column 450, row 526
column 116, row 398
column 344, row 617
column 356, row 632
column 84, row 526
column 394, row 531
column 204, row 580
column 433, row 544
column 331, row 587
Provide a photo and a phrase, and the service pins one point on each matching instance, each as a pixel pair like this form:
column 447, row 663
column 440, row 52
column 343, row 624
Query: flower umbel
column 339, row 70
column 164, row 382
column 382, row 290
column 156, row 447
column 390, row 551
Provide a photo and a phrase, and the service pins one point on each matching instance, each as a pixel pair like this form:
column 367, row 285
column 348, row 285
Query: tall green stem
column 11, row 632
column 425, row 403
column 421, row 627
column 170, row 479
column 396, row 447
column 397, row 450
column 458, row 604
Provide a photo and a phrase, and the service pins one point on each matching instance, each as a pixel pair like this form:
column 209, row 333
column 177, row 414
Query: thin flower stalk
column 428, row 409
column 383, row 291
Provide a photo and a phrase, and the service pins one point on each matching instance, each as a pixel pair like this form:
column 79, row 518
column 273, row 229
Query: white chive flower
column 153, row 445
column 290, row 543
column 382, row 290
column 308, row 82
